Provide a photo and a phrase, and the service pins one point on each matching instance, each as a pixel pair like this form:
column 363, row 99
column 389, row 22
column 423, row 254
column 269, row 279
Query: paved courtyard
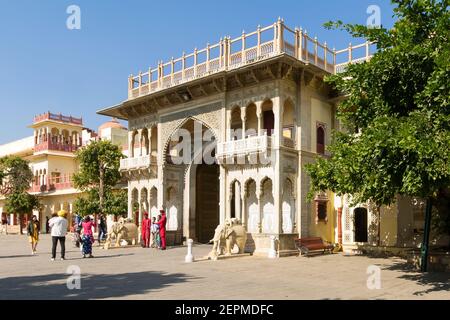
column 137, row 273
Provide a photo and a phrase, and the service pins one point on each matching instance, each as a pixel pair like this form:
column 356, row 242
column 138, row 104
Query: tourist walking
column 77, row 230
column 101, row 228
column 87, row 239
column 4, row 226
column 47, row 227
column 58, row 227
column 33, row 229
column 162, row 229
column 145, row 231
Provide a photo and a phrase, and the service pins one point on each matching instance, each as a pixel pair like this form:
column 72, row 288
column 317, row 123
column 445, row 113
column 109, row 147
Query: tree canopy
column 15, row 175
column 395, row 111
column 116, row 203
column 21, row 203
column 98, row 175
column 15, row 179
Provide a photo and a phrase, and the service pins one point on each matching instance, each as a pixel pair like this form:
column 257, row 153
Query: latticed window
column 321, row 202
column 320, row 136
column 321, row 210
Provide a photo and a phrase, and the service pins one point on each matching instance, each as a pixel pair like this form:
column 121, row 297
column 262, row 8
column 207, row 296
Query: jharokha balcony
column 56, row 146
column 241, row 147
column 228, row 54
column 135, row 163
column 44, row 184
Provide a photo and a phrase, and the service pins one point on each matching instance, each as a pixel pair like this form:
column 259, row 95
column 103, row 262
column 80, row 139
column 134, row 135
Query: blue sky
column 45, row 66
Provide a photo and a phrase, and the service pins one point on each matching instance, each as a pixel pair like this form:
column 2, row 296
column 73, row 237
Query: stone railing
column 50, row 146
column 135, row 163
column 62, row 182
column 249, row 145
column 230, row 54
column 58, row 117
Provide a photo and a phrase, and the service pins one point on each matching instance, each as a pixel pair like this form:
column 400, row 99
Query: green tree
column 87, row 204
column 15, row 179
column 15, row 175
column 99, row 171
column 398, row 102
column 117, row 203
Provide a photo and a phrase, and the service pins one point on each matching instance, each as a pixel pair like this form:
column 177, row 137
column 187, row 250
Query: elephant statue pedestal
column 227, row 235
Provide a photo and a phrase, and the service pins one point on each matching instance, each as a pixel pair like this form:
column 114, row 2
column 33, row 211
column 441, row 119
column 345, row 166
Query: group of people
column 154, row 231
column 58, row 226
column 84, row 233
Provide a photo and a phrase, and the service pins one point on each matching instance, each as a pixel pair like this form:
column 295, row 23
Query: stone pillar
column 160, row 150
column 258, row 197
column 244, row 213
column 130, row 144
column 228, row 126
column 140, row 206
column 130, row 201
column 223, row 187
column 149, row 134
column 189, row 257
column 237, row 200
column 259, row 116
column 277, row 181
column 140, row 142
column 339, row 223
column 243, row 119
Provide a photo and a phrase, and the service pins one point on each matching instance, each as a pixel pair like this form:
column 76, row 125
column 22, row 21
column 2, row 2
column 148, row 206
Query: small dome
column 113, row 123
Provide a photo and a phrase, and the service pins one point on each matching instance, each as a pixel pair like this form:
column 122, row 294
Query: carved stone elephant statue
column 122, row 230
column 226, row 236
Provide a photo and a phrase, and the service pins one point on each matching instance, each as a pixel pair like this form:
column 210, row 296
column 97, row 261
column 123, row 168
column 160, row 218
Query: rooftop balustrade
column 58, row 117
column 229, row 54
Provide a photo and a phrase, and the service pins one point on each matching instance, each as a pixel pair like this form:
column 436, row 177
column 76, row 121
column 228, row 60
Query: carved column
column 339, row 213
column 130, row 144
column 259, row 116
column 149, row 134
column 223, row 186
column 277, row 183
column 244, row 213
column 259, row 196
column 141, row 138
column 243, row 119
column 130, row 201
column 228, row 126
column 237, row 200
column 140, row 206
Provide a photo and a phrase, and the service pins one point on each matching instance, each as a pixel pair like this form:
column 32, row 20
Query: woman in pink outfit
column 87, row 239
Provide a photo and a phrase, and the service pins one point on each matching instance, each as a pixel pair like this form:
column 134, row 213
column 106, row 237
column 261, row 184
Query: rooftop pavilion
column 53, row 117
column 266, row 42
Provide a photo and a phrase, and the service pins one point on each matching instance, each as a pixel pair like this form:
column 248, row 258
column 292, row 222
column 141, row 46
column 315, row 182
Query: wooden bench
column 313, row 244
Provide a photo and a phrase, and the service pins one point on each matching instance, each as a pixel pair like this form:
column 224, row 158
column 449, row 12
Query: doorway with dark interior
column 360, row 216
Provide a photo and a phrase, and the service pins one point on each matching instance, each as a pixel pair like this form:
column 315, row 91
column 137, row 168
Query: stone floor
column 136, row 273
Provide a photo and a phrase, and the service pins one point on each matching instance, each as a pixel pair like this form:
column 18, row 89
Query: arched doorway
column 207, row 201
column 190, row 157
column 360, row 218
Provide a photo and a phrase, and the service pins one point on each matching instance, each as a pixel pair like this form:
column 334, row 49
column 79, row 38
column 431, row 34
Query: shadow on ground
column 101, row 286
column 434, row 281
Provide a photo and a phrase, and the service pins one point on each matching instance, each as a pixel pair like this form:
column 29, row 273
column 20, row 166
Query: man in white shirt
column 59, row 226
